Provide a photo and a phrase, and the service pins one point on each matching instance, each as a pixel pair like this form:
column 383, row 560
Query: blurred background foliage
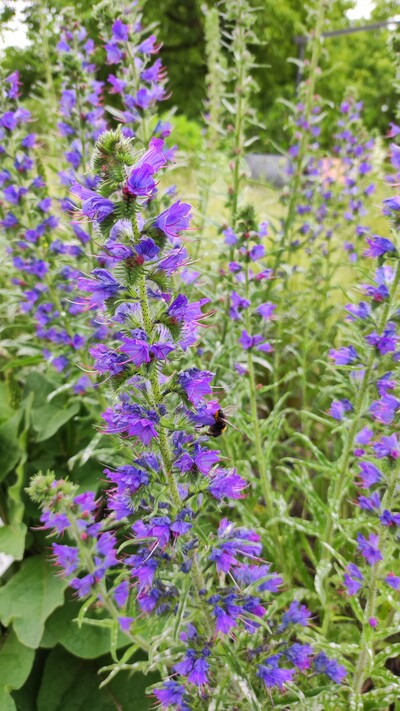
column 362, row 62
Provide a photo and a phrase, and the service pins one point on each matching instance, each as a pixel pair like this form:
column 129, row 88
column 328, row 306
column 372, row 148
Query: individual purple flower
column 83, row 586
column 378, row 246
column 255, row 341
column 344, row 355
column 393, row 203
column 121, row 593
column 266, row 310
column 120, row 31
column 272, row 674
column 353, row 579
column 364, row 436
column 387, row 446
column 101, row 288
column 361, row 311
column 114, row 54
column 147, row 249
column 299, row 655
column 230, row 237
column 94, row 206
column 149, row 45
column 196, row 384
column 393, row 581
column 138, row 350
column 388, row 518
column 368, row 548
column 339, row 408
column 232, row 542
column 384, row 409
column 385, row 342
column 125, row 623
column 117, row 85
column 369, row 503
column 259, row 575
column 330, row 667
column 172, row 694
column 67, row 557
column 297, row 614
column 174, row 220
column 225, row 611
column 227, row 484
column 194, row 666
column 257, row 252
column 238, row 303
column 140, row 181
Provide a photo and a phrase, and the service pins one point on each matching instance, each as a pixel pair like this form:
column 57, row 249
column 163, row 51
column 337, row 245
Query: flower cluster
column 166, row 559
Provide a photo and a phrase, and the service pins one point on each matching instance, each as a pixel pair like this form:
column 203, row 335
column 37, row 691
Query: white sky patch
column 362, row 9
column 15, row 33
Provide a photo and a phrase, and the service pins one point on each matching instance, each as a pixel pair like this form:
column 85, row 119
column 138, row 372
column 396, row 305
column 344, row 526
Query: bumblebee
column 219, row 426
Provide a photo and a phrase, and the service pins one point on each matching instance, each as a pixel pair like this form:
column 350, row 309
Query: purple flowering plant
column 178, row 580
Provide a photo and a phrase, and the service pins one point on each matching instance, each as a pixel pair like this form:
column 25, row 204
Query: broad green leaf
column 16, row 662
column 29, row 598
column 48, row 419
column 12, row 540
column 6, row 701
column 88, row 642
column 40, row 386
column 72, row 684
column 10, row 450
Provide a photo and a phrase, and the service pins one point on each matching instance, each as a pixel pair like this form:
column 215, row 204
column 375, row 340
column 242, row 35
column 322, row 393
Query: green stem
column 199, row 586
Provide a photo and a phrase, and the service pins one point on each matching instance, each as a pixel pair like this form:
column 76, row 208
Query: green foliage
column 15, row 665
column 69, row 683
column 29, row 598
column 187, row 134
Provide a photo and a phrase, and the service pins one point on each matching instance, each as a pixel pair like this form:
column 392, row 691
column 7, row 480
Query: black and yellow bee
column 219, row 425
